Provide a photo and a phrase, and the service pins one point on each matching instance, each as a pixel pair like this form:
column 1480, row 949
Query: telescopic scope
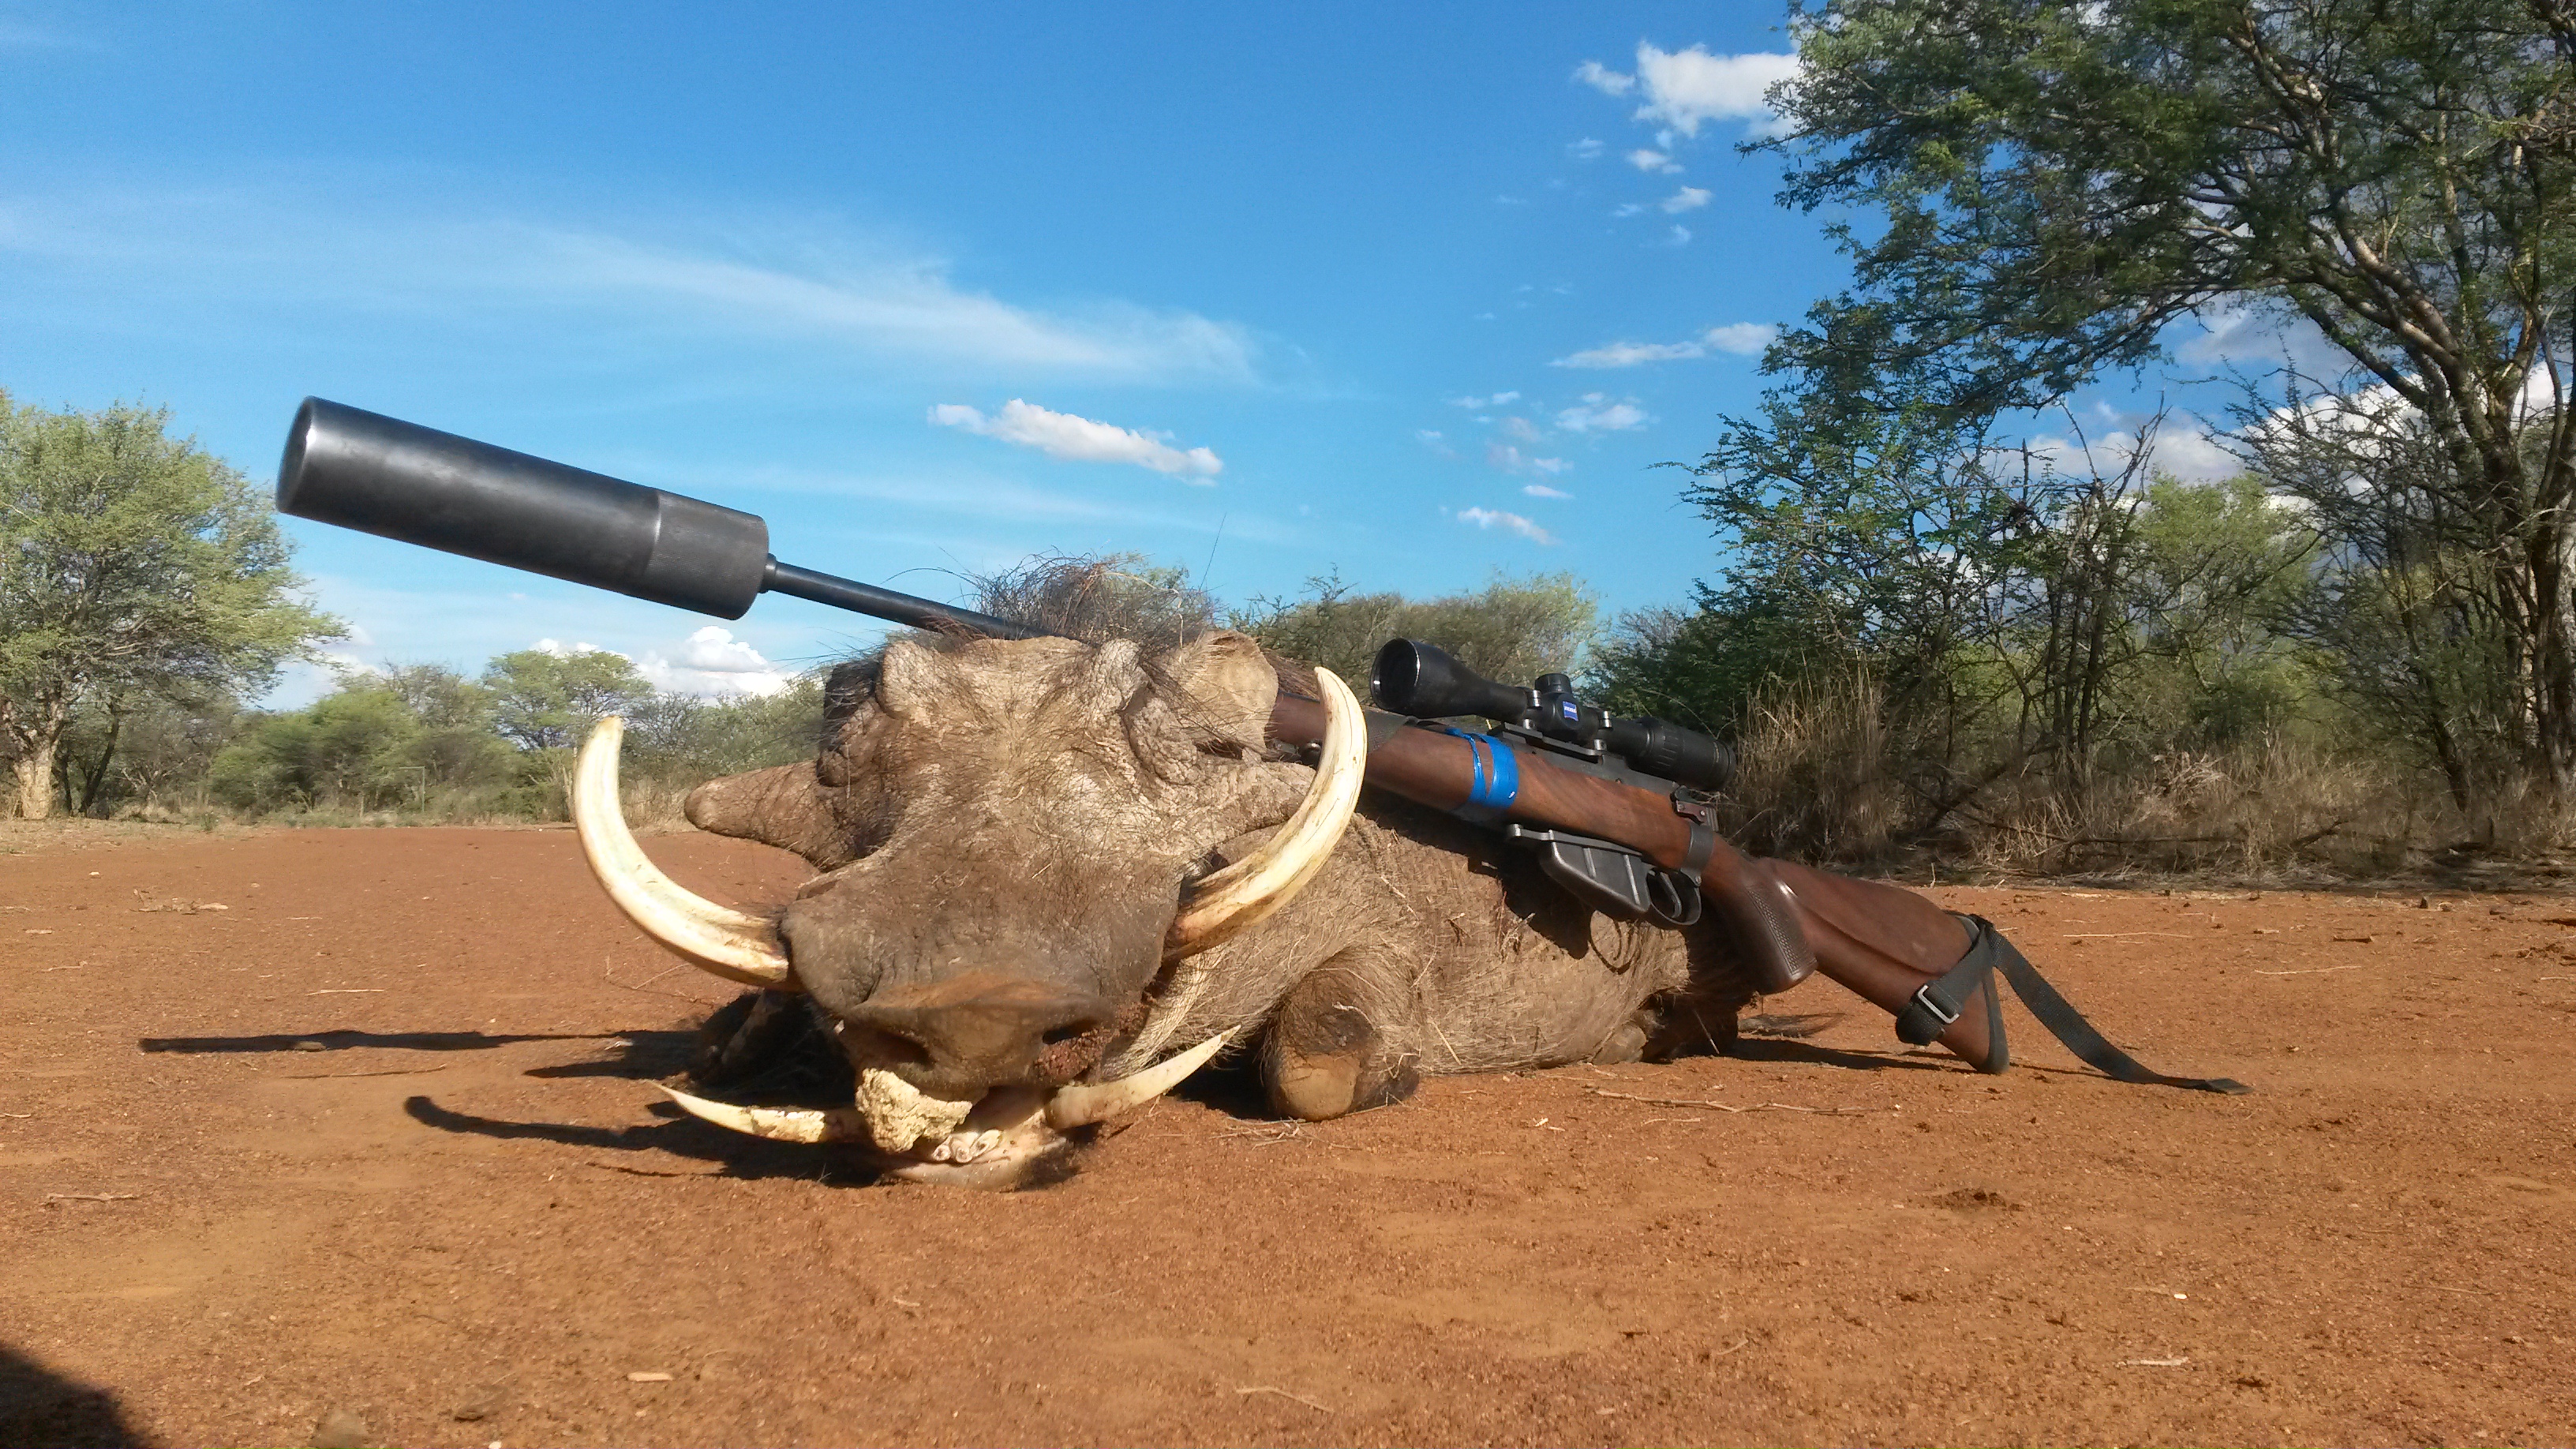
column 1422, row 680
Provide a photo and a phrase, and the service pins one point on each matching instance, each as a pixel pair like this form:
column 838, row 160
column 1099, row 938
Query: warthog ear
column 784, row 806
column 1230, row 683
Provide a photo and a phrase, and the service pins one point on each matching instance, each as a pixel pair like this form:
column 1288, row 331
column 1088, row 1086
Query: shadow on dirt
column 1762, row 1049
column 678, row 1134
column 340, row 1041
column 635, row 1056
column 39, row 1407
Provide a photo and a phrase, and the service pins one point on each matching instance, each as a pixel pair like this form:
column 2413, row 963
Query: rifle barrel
column 402, row 481
column 859, row 598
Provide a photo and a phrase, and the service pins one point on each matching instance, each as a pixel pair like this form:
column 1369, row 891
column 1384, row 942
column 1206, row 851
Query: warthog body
column 1005, row 831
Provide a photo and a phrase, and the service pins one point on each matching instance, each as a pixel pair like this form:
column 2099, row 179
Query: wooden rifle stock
column 1882, row 941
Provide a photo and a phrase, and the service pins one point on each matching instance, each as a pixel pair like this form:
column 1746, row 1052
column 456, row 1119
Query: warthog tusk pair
column 1079, row 1105
column 745, row 948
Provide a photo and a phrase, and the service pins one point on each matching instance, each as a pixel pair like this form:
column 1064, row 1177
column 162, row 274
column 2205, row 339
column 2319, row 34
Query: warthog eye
column 1203, row 867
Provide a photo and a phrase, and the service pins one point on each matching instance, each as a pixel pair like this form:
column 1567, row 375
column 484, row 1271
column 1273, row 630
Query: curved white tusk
column 1245, row 893
column 706, row 935
column 779, row 1124
column 1084, row 1103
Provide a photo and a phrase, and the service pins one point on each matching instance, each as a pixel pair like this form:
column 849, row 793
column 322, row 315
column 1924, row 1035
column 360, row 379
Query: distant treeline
column 2117, row 674
column 425, row 742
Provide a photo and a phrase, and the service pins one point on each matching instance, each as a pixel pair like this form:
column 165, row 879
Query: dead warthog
column 1044, row 865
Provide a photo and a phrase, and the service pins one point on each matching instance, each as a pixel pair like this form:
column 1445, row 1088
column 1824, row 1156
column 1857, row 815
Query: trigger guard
column 1672, row 898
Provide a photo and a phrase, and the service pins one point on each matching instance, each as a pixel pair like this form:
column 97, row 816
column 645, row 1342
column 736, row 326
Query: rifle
column 1616, row 808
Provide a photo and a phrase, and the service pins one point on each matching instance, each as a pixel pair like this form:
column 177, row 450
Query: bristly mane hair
column 1088, row 597
column 1095, row 600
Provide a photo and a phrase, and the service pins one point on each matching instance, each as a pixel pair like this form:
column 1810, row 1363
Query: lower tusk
column 1082, row 1104
column 778, row 1124
column 706, row 935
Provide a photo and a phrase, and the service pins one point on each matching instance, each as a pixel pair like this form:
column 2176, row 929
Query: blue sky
column 1415, row 293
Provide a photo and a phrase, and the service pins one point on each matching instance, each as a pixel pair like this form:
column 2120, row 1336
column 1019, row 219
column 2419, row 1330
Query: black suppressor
column 380, row 475
column 1418, row 679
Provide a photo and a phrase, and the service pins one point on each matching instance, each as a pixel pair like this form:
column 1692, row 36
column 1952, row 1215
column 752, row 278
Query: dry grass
column 1823, row 778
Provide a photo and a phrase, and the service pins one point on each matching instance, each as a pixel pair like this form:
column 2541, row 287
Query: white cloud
column 1647, row 159
column 1678, row 91
column 694, row 284
column 2182, row 448
column 712, row 662
column 1520, row 430
column 1512, row 460
column 2262, row 335
column 1679, row 236
column 1598, row 414
column 2195, row 456
column 1584, row 150
column 1064, row 435
column 1490, row 518
column 1682, row 89
column 1603, row 79
column 1689, row 198
column 1431, row 438
column 1630, row 354
column 1745, row 339
column 561, row 650
column 1541, row 490
column 1497, row 400
column 905, row 306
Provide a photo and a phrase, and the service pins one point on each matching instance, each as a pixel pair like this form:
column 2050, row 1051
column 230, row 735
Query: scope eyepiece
column 1660, row 747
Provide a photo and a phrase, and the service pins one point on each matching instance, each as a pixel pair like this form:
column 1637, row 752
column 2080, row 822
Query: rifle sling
column 1940, row 1001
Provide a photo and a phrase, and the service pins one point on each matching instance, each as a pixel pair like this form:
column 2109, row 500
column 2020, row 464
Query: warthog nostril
column 977, row 1031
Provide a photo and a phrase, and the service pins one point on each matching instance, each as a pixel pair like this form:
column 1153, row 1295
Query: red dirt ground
column 370, row 1156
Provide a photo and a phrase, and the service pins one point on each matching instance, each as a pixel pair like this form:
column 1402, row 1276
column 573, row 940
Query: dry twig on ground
column 1283, row 1393
column 1756, row 1107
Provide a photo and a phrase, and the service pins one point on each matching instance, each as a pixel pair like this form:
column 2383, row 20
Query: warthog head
column 1014, row 839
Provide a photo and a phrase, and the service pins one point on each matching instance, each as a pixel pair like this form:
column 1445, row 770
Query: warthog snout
column 964, row 1035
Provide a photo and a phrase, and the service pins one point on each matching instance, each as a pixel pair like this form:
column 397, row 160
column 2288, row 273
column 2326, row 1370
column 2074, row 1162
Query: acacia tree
column 543, row 700
column 2005, row 607
column 132, row 564
column 2059, row 183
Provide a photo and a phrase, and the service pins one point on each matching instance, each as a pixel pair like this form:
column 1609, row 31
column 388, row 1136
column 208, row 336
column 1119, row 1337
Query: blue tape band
column 1507, row 777
column 1494, row 773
